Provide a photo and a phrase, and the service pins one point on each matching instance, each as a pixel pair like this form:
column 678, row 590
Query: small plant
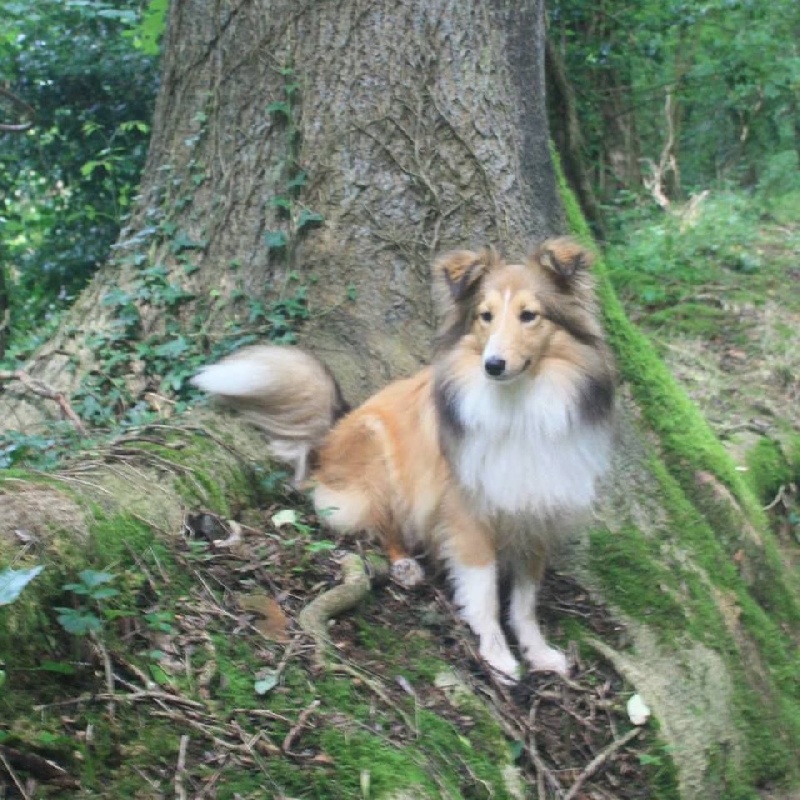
column 160, row 621
column 91, row 592
column 291, row 518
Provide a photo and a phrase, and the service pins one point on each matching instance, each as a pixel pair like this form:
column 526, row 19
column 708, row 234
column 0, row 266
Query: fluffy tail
column 286, row 392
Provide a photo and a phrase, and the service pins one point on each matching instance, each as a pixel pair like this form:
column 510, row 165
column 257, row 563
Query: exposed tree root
column 358, row 575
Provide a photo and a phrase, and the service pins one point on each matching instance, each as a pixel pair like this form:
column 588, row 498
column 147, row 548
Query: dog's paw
column 407, row 572
column 497, row 655
column 547, row 659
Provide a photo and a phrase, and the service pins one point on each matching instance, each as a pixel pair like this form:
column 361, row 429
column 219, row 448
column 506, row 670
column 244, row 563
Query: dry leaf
column 270, row 619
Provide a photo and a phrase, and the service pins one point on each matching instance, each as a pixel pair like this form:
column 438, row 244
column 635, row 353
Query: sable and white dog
column 483, row 459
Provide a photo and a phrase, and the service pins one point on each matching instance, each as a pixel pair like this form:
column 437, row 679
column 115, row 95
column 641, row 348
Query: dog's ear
column 564, row 258
column 456, row 273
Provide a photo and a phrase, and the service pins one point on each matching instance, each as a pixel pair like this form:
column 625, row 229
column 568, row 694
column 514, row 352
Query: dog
column 485, row 459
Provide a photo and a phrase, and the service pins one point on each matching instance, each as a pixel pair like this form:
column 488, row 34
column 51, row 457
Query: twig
column 108, row 670
column 17, row 127
column 543, row 772
column 35, row 386
column 599, row 761
column 133, row 697
column 10, row 771
column 778, row 499
column 180, row 770
column 297, row 728
column 375, row 686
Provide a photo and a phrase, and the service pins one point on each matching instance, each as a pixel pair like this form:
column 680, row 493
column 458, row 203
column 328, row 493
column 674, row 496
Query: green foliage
column 91, row 591
column 662, row 260
column 70, row 179
column 147, row 33
column 43, row 451
column 732, row 66
column 712, row 533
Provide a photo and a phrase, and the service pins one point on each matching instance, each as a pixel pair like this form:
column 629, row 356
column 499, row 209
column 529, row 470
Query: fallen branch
column 599, row 761
column 297, row 728
column 43, row 769
column 357, row 577
column 35, row 386
column 13, row 775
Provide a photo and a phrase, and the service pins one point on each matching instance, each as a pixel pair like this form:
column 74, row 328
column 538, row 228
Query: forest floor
column 232, row 668
column 211, row 644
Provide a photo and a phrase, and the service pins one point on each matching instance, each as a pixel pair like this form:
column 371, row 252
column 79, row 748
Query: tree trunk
column 568, row 136
column 335, row 148
column 409, row 129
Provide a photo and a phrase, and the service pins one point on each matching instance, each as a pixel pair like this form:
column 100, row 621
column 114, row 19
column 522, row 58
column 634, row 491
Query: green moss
column 412, row 650
column 352, row 734
column 715, row 533
column 689, row 443
column 792, row 450
column 767, row 469
column 631, row 571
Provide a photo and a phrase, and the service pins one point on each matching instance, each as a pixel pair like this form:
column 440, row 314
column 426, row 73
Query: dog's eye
column 527, row 316
column 486, row 316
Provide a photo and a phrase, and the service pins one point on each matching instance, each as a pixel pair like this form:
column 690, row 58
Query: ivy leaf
column 172, row 349
column 280, row 202
column 279, row 107
column 298, row 181
column 275, row 240
column 78, row 623
column 13, row 581
column 93, row 577
column 183, row 242
column 307, row 218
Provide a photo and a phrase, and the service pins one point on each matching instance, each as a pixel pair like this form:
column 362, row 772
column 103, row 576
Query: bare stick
column 40, row 389
column 10, row 771
column 297, row 728
column 102, row 651
column 599, row 761
column 180, row 770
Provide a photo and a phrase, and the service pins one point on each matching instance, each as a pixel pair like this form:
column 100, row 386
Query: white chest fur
column 525, row 448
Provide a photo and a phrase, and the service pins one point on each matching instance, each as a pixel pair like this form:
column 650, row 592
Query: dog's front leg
column 522, row 616
column 476, row 597
column 472, row 565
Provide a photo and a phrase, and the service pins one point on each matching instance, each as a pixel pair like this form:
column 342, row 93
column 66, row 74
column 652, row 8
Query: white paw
column 547, row 659
column 496, row 654
column 407, row 572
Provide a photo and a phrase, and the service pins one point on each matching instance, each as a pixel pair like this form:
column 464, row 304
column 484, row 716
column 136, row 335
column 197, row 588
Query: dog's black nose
column 495, row 366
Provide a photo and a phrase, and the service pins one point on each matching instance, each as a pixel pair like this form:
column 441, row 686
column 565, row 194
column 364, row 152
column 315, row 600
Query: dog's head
column 512, row 313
